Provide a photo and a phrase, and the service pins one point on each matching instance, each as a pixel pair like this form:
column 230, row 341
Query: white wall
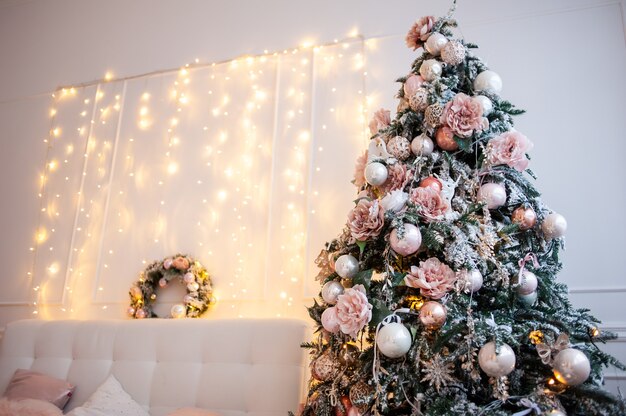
column 563, row 61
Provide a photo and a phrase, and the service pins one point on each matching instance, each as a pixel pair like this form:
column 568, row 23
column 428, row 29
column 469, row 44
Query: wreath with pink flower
column 159, row 274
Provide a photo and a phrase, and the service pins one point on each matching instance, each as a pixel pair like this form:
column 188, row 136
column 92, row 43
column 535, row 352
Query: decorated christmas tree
column 440, row 295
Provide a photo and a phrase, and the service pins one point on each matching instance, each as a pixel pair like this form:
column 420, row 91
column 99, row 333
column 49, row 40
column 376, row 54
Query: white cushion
column 109, row 400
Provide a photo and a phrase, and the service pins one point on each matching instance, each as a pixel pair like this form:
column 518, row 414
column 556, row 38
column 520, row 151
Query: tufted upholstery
column 235, row 367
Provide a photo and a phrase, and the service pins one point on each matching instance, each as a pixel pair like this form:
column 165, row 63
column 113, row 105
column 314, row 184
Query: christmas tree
column 440, row 295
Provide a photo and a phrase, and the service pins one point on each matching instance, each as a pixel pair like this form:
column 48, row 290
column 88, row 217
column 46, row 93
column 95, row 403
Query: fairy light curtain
column 236, row 163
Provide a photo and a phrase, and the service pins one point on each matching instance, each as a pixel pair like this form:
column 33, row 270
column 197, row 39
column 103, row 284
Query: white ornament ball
column 393, row 340
column 399, row 147
column 430, row 69
column 178, row 311
column 485, row 103
column 331, row 291
column 193, row 286
column 376, row 173
column 435, row 43
column 571, row 367
column 189, row 277
column 422, row 145
column 488, row 81
column 493, row 194
column 529, row 300
column 410, row 241
column 528, row 284
column 554, row 226
column 474, row 280
column 330, row 322
column 496, row 365
column 347, row 266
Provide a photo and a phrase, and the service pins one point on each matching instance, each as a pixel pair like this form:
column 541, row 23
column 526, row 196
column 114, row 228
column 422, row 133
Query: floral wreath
column 158, row 274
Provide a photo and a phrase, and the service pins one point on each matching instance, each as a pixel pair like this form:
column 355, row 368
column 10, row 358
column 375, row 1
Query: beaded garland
column 159, row 273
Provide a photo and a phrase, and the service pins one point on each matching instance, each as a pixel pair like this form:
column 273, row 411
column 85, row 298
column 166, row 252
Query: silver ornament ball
column 393, row 340
column 528, row 300
column 496, row 364
column 571, row 367
column 485, row 103
column 347, row 266
column 554, row 226
column 528, row 283
column 422, row 145
column 474, row 280
column 493, row 194
column 435, row 43
column 376, row 173
column 331, row 291
column 488, row 81
column 430, row 69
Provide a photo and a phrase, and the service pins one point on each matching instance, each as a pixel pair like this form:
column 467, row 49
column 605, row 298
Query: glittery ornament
column 325, row 367
column 399, row 147
column 488, row 81
column 453, row 53
column 524, row 217
column 536, row 337
column 331, row 291
column 496, row 364
column 445, row 139
column 433, row 315
column 554, row 226
column 361, row 396
column 571, row 367
column 413, row 302
column 430, row 69
column 153, row 296
column 422, row 145
column 432, row 115
column 419, row 100
column 349, row 354
column 435, row 43
column 347, row 266
column 393, row 340
column 431, row 182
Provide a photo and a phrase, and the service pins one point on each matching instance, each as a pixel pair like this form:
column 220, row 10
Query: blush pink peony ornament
column 433, row 315
column 445, row 139
column 410, row 241
column 380, row 120
column 419, row 32
column 353, row 310
column 493, row 194
column 432, row 277
column 510, row 149
column 330, row 321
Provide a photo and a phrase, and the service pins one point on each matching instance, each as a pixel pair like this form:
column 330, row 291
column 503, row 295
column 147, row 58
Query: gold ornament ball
column 445, row 139
column 526, row 218
column 433, row 315
column 349, row 355
column 536, row 337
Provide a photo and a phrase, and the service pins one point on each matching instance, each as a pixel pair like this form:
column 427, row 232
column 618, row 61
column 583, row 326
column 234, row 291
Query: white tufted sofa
column 234, row 367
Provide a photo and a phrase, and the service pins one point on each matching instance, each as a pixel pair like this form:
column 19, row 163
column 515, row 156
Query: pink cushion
column 192, row 411
column 26, row 384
